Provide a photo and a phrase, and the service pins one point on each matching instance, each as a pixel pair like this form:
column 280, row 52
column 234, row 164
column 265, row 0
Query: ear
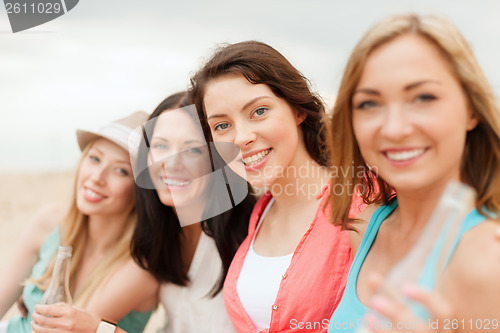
column 472, row 120
column 301, row 116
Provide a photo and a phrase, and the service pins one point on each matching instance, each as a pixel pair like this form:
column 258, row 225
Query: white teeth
column 175, row 182
column 256, row 158
column 405, row 155
column 93, row 194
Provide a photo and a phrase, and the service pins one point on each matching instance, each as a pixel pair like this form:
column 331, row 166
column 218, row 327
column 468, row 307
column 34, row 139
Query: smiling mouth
column 93, row 195
column 256, row 158
column 405, row 155
column 176, row 182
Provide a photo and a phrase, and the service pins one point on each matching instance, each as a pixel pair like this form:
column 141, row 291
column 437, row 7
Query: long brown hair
column 481, row 158
column 259, row 63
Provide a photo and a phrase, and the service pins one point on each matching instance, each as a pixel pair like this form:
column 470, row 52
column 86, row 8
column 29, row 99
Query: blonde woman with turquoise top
column 416, row 111
column 99, row 226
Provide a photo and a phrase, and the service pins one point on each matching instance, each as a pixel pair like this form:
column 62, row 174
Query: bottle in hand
column 58, row 290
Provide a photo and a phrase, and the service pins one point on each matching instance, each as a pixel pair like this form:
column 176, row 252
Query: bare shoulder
column 355, row 236
column 472, row 275
column 43, row 222
column 132, row 270
column 478, row 253
column 130, row 288
column 49, row 216
column 132, row 275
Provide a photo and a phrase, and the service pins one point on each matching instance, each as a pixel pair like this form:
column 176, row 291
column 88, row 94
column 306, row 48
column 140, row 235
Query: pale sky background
column 107, row 58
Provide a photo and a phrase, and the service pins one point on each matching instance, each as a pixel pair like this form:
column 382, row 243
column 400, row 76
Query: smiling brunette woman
column 293, row 265
column 188, row 234
column 415, row 105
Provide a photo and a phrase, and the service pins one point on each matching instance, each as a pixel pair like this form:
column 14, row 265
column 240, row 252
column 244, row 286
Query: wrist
column 106, row 326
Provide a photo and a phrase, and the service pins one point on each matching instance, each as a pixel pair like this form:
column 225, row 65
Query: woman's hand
column 399, row 316
column 403, row 319
column 65, row 318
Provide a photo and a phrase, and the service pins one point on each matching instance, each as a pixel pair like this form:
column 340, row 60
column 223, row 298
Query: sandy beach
column 21, row 195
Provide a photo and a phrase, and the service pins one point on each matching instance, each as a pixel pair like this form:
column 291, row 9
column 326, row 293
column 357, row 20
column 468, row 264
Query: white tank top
column 259, row 281
column 191, row 308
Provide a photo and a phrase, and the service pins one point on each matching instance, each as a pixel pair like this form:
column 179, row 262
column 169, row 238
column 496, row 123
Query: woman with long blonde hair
column 415, row 110
column 98, row 226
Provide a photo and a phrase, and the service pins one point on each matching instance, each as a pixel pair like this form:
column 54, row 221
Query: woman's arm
column 130, row 289
column 62, row 317
column 25, row 254
column 471, row 281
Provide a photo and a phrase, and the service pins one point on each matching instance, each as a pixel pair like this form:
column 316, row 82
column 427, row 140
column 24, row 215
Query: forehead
column 232, row 90
column 110, row 149
column 177, row 125
column 406, row 58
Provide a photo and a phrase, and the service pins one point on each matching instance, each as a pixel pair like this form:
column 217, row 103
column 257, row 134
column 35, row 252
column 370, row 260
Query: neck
column 415, row 207
column 104, row 232
column 191, row 214
column 302, row 181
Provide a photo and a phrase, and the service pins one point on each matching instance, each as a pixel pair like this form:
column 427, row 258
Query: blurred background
column 106, row 59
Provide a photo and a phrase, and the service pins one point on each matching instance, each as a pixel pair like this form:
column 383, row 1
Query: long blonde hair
column 481, row 158
column 73, row 231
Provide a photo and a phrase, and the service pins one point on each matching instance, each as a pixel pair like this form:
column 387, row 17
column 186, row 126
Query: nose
column 99, row 175
column 397, row 124
column 173, row 162
column 245, row 136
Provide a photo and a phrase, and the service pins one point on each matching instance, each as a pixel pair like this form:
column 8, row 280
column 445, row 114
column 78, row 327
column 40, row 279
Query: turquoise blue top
column 349, row 314
column 134, row 322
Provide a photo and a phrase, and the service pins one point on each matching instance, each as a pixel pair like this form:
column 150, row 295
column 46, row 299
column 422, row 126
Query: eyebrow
column 253, row 100
column 185, row 142
column 122, row 162
column 419, row 83
column 406, row 88
column 115, row 161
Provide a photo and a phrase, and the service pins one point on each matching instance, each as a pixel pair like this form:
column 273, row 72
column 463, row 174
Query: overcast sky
column 107, row 58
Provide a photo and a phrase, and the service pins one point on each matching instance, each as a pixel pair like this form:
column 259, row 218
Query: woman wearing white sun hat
column 98, row 225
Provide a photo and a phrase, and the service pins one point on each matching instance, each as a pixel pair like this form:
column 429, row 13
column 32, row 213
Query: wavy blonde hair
column 481, row 158
column 73, row 231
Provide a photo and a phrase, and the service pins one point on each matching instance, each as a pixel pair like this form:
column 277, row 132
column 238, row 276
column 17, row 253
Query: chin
column 85, row 211
column 261, row 182
column 411, row 184
column 82, row 207
column 239, row 169
column 166, row 199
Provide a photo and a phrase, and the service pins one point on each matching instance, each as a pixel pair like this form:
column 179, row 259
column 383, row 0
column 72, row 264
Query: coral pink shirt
column 313, row 284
